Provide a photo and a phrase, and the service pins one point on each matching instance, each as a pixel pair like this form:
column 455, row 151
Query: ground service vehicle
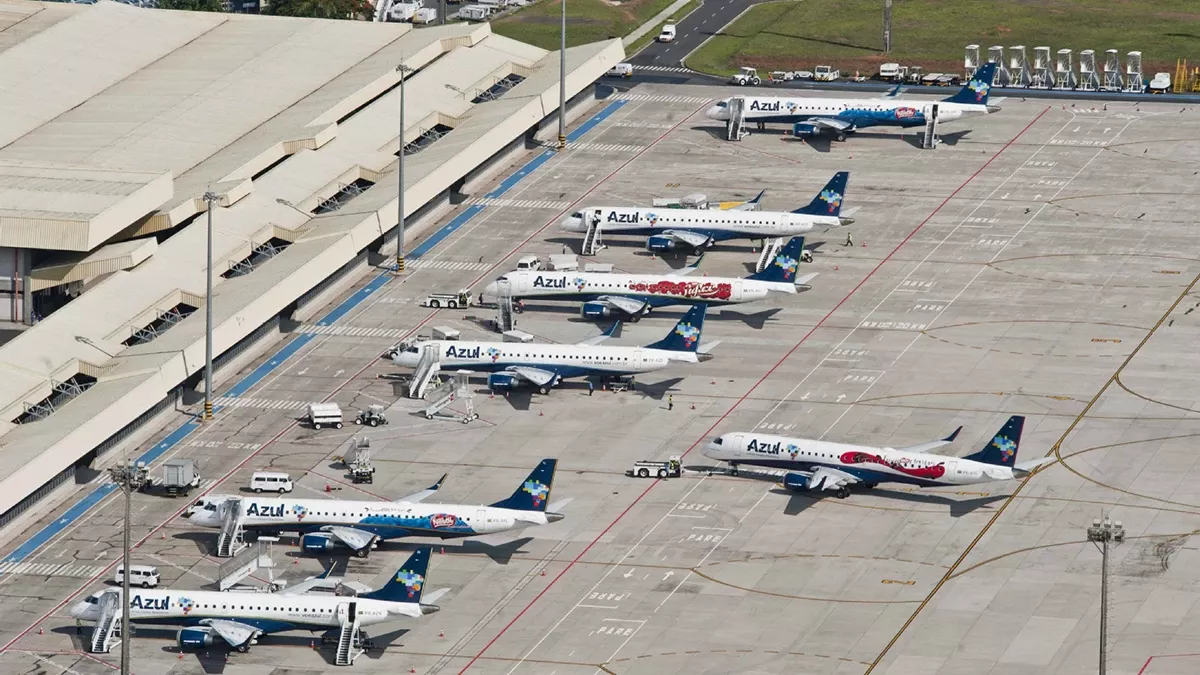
column 325, row 415
column 646, row 468
column 826, row 74
column 745, row 76
column 667, row 34
column 270, row 481
column 144, row 576
column 451, row 300
column 621, row 70
column 373, row 416
column 179, row 475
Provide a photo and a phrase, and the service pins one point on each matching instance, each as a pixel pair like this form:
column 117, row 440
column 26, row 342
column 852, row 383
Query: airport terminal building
column 116, row 123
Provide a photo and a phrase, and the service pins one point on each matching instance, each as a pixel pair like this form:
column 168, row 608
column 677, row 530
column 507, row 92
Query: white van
column 270, row 481
column 529, row 262
column 139, row 575
column 667, row 34
column 621, row 70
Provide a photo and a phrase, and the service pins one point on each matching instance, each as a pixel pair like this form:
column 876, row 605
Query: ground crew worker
column 849, row 239
column 670, row 403
column 591, row 387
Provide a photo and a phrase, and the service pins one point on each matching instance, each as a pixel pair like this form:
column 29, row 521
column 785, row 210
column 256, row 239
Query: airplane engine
column 796, row 482
column 503, row 381
column 660, row 243
column 319, row 542
column 195, row 638
column 803, row 129
column 596, row 310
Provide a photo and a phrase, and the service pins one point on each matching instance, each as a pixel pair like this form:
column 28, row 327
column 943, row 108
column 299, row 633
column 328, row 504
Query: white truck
column 425, row 16
column 646, row 468
column 474, row 13
column 325, row 415
column 461, row 299
column 667, row 34
column 179, row 476
column 826, row 74
column 745, row 76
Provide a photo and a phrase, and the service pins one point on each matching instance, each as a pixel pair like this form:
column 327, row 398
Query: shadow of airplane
column 756, row 320
column 499, row 553
column 658, row 390
column 951, row 139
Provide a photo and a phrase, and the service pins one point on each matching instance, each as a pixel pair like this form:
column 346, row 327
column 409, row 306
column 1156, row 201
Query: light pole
column 887, row 26
column 283, row 202
column 129, row 478
column 210, row 198
column 562, row 83
column 1100, row 534
column 404, row 71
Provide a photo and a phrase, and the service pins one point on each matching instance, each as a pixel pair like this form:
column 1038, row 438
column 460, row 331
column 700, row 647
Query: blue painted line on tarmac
column 297, row 343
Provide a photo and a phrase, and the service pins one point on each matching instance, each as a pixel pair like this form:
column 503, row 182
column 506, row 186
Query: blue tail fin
column 408, row 582
column 758, row 198
column 685, row 336
column 534, row 493
column 783, row 268
column 977, row 90
column 828, row 202
column 1002, row 449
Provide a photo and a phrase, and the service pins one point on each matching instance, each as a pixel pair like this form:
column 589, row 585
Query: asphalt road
column 691, row 31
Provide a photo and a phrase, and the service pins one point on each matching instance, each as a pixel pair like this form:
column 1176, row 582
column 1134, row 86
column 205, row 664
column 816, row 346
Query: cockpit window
column 577, row 214
column 722, row 104
column 412, row 350
column 718, row 441
column 502, row 279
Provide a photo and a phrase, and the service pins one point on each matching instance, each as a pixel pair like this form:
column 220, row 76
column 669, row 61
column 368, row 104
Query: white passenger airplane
column 841, row 116
column 822, row 465
column 513, row 364
column 326, row 525
column 669, row 229
column 240, row 618
column 632, row 295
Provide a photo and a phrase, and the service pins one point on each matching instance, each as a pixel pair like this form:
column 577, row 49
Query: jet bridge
column 107, row 632
column 230, row 541
column 458, row 389
column 735, row 126
column 427, row 368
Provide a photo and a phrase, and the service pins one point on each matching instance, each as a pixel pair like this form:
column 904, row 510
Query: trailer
column 672, row 468
column 325, row 415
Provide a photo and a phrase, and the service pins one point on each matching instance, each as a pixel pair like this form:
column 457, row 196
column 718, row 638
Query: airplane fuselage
column 717, row 225
column 859, row 113
column 387, row 520
column 268, row 612
column 565, row 360
column 655, row 290
column 868, row 464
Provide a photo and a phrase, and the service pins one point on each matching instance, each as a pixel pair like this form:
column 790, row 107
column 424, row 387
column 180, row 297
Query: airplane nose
column 713, row 113
column 554, row 517
column 843, row 220
column 429, row 609
column 993, row 109
column 491, row 290
column 571, row 224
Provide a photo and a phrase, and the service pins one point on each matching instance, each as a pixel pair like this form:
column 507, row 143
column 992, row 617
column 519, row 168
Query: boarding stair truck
column 745, row 76
column 671, row 468
column 179, row 476
column 461, row 299
column 325, row 415
column 361, row 469
column 826, row 74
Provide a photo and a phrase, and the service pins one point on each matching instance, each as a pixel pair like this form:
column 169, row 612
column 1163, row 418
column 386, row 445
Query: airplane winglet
column 951, row 437
column 614, row 330
column 757, row 198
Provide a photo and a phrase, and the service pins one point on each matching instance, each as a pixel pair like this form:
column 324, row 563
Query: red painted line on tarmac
column 1161, row 656
column 353, row 377
column 756, row 384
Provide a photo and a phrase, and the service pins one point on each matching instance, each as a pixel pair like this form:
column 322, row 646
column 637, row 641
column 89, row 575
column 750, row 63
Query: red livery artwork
column 685, row 289
column 929, row 472
column 443, row 520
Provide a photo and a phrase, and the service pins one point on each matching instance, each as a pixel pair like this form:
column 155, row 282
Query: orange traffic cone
column 693, row 406
column 541, row 414
column 864, row 244
column 441, row 634
column 328, row 488
column 181, row 655
column 836, row 268
column 41, row 631
column 443, row 550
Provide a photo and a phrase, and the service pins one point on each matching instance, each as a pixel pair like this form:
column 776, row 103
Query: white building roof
column 167, row 105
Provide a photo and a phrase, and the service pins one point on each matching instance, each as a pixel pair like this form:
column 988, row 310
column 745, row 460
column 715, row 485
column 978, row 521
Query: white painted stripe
column 663, row 99
column 352, row 331
column 424, row 263
column 520, row 203
column 664, row 69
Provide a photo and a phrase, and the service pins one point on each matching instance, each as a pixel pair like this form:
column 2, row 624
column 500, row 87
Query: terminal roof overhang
column 150, row 109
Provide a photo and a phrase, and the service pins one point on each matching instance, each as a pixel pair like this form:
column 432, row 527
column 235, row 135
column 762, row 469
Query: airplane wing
column 932, row 445
column 537, row 376
column 352, row 537
column 690, row 238
column 424, row 494
column 631, row 306
column 826, row 478
column 707, row 347
column 831, row 123
column 803, row 280
column 235, row 633
column 625, row 305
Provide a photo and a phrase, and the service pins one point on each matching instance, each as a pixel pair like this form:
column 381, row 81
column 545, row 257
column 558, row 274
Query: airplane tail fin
column 783, row 268
column 685, row 336
column 406, row 585
column 828, row 201
column 977, row 89
column 756, row 199
column 1002, row 449
column 534, row 493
